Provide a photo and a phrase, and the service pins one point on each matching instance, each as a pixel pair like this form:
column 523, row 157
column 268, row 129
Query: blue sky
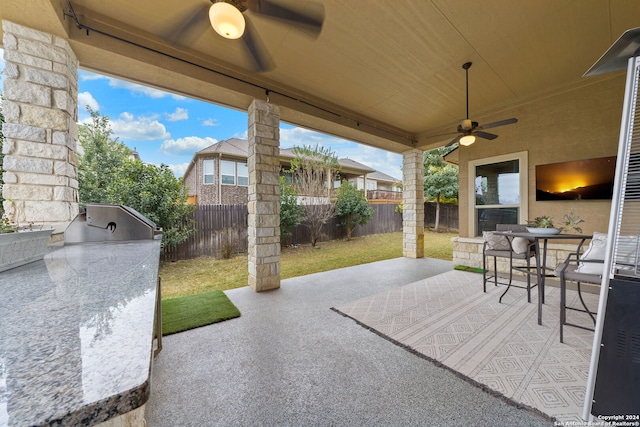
column 169, row 129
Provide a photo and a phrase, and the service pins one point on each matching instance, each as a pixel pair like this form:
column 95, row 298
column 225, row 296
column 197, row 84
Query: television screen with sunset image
column 590, row 179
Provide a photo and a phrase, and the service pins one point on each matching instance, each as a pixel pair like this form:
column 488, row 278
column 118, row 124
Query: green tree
column 291, row 212
column 440, row 179
column 100, row 160
column 314, row 170
column 352, row 207
column 157, row 194
column 107, row 173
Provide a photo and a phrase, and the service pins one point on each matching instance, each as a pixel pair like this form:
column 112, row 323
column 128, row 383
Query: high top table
column 541, row 266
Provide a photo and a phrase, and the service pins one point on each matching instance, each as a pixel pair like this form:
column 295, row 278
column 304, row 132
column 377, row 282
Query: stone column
column 264, row 196
column 40, row 130
column 412, row 204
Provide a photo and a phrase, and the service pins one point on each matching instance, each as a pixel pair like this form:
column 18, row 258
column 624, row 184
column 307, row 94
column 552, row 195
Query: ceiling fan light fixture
column 226, row 20
column 467, row 140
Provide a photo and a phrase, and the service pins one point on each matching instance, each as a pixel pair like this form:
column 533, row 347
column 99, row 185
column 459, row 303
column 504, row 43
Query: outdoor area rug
column 500, row 347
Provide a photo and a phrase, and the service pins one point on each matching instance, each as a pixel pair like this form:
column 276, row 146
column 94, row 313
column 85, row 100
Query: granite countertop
column 76, row 334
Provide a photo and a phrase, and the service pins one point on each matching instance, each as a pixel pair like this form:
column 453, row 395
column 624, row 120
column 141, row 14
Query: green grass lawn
column 204, row 274
column 193, row 311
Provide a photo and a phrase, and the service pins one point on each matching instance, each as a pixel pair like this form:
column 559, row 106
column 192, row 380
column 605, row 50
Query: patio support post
column 264, row 196
column 40, row 130
column 413, row 204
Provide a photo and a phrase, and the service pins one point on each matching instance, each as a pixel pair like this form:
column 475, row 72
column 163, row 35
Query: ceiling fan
column 469, row 129
column 229, row 18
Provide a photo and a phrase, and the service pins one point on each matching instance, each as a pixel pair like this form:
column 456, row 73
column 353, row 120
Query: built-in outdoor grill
column 104, row 223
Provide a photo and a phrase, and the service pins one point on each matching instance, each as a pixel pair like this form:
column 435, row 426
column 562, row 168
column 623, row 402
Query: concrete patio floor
column 290, row 360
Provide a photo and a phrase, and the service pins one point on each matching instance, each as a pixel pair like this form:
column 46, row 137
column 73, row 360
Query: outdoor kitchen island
column 76, row 334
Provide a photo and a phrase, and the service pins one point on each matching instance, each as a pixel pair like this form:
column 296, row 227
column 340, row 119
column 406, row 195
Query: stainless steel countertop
column 76, row 334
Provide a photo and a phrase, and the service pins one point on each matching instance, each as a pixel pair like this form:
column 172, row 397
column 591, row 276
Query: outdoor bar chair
column 499, row 246
column 581, row 268
column 570, row 271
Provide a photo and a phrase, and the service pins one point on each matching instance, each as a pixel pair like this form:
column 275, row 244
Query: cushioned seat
column 510, row 248
column 575, row 276
column 581, row 268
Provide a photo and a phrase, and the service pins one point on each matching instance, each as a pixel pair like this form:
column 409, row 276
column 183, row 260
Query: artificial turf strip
column 193, row 311
column 469, row 269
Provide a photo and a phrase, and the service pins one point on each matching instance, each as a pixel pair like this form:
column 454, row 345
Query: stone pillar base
column 412, row 204
column 264, row 196
column 40, row 130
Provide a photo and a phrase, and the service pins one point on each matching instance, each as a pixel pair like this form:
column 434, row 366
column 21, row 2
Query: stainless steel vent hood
column 106, row 223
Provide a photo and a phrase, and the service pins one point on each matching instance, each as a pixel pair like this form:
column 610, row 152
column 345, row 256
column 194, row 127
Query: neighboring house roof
column 346, row 164
column 287, row 152
column 349, row 164
column 231, row 147
column 239, row 148
column 381, row 176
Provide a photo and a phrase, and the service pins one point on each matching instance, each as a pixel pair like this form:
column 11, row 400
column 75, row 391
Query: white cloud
column 127, row 127
column 134, row 87
column 179, row 169
column 210, row 122
column 300, row 136
column 242, row 135
column 179, row 114
column 85, row 99
column 187, row 145
column 88, row 75
column 144, row 90
column 84, row 119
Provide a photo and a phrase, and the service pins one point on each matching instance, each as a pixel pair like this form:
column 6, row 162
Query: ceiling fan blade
column 454, row 140
column 310, row 20
column 189, row 26
column 485, row 135
column 499, row 123
column 258, row 52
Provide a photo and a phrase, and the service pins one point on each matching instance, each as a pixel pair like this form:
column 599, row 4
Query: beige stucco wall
column 580, row 124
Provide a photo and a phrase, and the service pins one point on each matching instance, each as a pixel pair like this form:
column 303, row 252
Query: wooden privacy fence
column 448, row 216
column 216, row 227
column 221, row 229
column 384, row 220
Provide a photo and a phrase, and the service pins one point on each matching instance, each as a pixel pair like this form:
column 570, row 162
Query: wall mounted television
column 590, row 179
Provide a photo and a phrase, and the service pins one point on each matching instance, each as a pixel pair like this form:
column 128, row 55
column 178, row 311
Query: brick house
column 219, row 174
